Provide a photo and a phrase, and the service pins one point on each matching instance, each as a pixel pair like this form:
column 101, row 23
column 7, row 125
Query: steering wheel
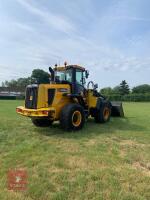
column 90, row 82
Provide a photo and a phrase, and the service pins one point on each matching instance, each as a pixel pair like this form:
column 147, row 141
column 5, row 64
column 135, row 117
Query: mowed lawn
column 102, row 161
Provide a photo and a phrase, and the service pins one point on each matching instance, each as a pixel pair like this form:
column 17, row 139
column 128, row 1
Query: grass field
column 102, row 161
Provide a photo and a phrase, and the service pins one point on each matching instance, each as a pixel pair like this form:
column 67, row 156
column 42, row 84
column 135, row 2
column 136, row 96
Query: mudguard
column 101, row 101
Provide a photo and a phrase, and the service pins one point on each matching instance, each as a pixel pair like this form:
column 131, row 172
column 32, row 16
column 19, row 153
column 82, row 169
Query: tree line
column 123, row 92
column 37, row 76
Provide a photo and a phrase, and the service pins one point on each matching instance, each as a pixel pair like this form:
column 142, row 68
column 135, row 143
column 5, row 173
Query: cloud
column 130, row 64
column 58, row 22
column 130, row 18
column 23, row 26
column 100, row 38
column 12, row 71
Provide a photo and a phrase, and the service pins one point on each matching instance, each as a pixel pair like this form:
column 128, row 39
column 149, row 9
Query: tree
column 22, row 83
column 106, row 91
column 12, row 84
column 145, row 88
column 3, row 84
column 124, row 88
column 116, row 90
column 6, row 84
column 40, row 76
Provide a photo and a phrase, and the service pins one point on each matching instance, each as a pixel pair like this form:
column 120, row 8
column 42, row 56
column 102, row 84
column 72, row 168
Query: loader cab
column 78, row 79
column 73, row 75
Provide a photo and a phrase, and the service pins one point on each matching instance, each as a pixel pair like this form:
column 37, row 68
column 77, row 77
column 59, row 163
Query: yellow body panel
column 57, row 105
column 62, row 68
column 36, row 112
column 60, row 100
column 91, row 99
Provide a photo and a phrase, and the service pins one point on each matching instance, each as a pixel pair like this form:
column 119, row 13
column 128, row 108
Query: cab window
column 64, row 76
column 79, row 77
column 69, row 75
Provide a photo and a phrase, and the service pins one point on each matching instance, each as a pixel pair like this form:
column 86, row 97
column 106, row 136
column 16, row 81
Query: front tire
column 43, row 122
column 103, row 114
column 72, row 117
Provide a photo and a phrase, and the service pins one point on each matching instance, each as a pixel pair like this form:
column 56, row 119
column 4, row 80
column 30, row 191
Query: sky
column 110, row 38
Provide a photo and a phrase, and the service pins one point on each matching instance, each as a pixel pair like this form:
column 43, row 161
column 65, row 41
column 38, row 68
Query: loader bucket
column 117, row 109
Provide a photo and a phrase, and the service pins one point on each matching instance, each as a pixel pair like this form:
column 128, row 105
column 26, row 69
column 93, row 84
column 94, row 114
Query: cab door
column 79, row 82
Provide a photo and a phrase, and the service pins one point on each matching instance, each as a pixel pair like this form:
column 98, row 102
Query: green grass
column 102, row 161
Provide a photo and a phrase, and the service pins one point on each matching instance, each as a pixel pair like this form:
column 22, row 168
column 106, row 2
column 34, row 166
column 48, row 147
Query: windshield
column 64, row 75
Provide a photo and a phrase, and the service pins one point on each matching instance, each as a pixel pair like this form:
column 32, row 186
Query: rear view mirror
column 95, row 86
column 86, row 73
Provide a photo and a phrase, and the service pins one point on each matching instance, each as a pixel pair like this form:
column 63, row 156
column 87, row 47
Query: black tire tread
column 65, row 117
column 99, row 118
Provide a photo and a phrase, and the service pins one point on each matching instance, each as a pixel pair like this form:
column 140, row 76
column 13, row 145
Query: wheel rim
column 106, row 113
column 76, row 118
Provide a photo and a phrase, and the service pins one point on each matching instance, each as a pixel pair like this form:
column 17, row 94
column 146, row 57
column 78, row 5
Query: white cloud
column 54, row 20
column 94, row 43
column 130, row 18
column 23, row 26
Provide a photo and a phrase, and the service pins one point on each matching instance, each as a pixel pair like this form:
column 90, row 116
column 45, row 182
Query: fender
column 101, row 101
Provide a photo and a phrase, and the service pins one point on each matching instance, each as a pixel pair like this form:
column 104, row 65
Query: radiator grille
column 51, row 94
column 31, row 96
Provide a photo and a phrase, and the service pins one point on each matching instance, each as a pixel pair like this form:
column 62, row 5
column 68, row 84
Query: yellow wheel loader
column 66, row 99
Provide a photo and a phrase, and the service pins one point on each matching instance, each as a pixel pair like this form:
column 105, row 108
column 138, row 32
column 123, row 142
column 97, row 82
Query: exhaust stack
column 52, row 74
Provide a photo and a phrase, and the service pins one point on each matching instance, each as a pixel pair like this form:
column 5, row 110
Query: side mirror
column 95, row 86
column 86, row 73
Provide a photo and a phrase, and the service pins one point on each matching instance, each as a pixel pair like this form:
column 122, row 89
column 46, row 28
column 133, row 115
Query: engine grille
column 51, row 94
column 31, row 96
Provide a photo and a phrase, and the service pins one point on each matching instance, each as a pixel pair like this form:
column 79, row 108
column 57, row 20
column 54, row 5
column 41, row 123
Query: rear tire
column 43, row 122
column 72, row 117
column 103, row 114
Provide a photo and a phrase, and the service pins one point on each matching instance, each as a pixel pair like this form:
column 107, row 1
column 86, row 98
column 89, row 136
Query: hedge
column 130, row 97
column 11, row 97
column 20, row 97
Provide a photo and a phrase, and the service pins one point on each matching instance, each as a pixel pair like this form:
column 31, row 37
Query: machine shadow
column 91, row 128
